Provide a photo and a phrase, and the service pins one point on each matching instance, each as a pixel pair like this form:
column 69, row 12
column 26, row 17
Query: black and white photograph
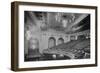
column 56, row 36
column 53, row 36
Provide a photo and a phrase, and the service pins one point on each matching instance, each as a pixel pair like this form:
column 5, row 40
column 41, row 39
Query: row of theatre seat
column 76, row 47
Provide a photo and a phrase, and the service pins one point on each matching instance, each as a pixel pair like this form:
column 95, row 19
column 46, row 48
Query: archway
column 60, row 41
column 51, row 42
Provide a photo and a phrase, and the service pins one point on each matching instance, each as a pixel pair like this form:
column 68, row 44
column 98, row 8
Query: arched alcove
column 51, row 42
column 60, row 41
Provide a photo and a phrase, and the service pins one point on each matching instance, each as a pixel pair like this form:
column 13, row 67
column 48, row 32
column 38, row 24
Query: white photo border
column 23, row 64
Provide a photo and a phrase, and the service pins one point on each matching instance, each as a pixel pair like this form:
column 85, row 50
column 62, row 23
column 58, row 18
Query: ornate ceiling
column 67, row 22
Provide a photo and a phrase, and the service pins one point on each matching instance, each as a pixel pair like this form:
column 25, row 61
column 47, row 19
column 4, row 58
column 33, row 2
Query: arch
column 51, row 42
column 60, row 41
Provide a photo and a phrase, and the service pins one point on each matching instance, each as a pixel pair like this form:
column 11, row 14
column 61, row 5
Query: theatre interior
column 56, row 36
